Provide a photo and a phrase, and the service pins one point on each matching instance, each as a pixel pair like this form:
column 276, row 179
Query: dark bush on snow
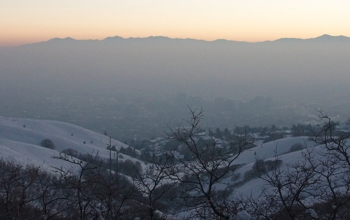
column 47, row 143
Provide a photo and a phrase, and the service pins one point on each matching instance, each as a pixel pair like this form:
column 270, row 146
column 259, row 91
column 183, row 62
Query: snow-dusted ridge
column 20, row 140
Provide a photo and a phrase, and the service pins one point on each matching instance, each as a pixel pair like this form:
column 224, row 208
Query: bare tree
column 76, row 187
column 336, row 143
column 92, row 190
column 318, row 183
column 333, row 167
column 51, row 199
column 16, row 190
column 288, row 190
column 155, row 185
column 202, row 176
column 110, row 191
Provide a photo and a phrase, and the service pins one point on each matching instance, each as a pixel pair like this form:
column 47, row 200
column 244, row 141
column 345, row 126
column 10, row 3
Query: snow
column 312, row 213
column 271, row 149
column 28, row 154
column 20, row 141
column 20, row 138
column 243, row 215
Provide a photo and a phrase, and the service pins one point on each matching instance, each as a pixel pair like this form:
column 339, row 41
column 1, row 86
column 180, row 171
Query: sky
column 23, row 21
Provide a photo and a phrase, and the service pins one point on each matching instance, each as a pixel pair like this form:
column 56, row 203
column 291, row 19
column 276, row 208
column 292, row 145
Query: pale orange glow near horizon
column 23, row 22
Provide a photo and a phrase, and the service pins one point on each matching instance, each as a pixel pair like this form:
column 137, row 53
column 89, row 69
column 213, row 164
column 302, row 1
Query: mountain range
column 162, row 39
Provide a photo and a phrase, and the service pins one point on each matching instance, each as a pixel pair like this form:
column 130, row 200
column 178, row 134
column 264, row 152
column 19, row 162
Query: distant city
column 144, row 117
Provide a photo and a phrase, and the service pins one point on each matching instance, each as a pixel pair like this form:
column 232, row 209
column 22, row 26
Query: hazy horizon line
column 172, row 38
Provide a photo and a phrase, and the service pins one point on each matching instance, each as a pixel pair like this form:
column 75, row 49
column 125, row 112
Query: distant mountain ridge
column 320, row 39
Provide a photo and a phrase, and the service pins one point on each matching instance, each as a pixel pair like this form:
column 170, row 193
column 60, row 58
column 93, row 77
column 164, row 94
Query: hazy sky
column 23, row 21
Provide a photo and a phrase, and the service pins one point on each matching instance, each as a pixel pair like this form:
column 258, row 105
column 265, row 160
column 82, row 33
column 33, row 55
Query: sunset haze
column 23, row 22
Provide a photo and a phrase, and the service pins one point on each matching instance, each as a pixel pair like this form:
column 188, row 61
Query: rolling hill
column 20, row 142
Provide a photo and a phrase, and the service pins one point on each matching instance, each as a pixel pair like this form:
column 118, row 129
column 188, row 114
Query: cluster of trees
column 123, row 166
column 266, row 133
column 129, row 151
column 315, row 187
column 90, row 193
column 200, row 190
column 199, row 187
column 303, row 130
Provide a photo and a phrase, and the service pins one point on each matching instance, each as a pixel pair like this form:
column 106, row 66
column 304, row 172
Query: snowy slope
column 20, row 140
column 267, row 151
column 273, row 148
column 254, row 186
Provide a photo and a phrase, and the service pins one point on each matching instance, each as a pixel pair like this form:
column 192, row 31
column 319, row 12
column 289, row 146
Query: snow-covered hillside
column 20, row 140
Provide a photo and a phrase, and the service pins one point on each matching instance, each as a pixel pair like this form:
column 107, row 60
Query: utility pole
column 117, row 166
column 110, row 159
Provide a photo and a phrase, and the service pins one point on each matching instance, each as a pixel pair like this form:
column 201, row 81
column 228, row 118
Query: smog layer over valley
column 138, row 87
